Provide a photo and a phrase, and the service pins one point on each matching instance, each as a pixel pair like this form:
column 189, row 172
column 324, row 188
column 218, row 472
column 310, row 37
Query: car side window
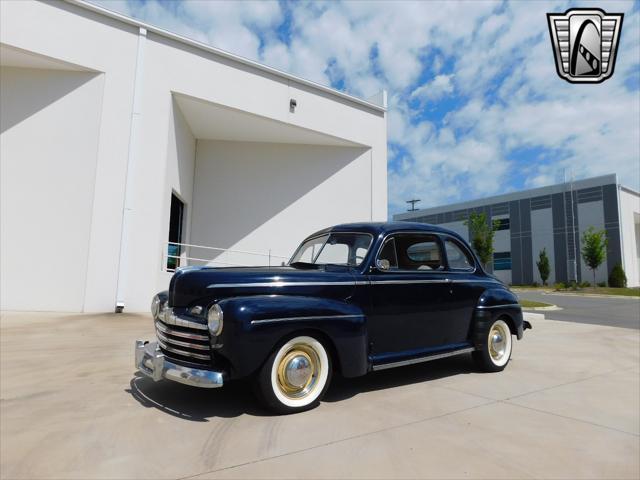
column 459, row 258
column 419, row 252
column 388, row 252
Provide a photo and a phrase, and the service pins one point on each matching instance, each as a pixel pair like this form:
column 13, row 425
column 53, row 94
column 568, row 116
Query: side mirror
column 383, row 265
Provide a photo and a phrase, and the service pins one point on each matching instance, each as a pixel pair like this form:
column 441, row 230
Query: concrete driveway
column 71, row 407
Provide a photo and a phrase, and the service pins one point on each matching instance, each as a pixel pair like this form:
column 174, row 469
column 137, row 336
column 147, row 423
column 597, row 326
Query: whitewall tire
column 496, row 351
column 295, row 376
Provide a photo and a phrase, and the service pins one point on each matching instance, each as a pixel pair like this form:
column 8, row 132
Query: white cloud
column 439, row 87
column 493, row 58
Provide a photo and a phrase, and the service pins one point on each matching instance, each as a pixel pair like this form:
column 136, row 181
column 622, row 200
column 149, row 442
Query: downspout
column 620, row 231
column 127, row 210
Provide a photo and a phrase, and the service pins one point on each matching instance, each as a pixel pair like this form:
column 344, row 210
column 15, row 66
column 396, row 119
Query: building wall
column 92, row 42
column 630, row 232
column 542, row 238
column 109, row 141
column 50, row 122
column 287, row 192
column 553, row 218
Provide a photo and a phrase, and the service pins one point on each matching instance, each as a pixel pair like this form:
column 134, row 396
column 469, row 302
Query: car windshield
column 334, row 248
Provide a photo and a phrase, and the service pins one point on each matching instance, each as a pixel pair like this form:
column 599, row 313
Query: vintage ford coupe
column 353, row 299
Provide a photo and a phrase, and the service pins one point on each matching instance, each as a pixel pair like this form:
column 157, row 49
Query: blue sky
column 475, row 105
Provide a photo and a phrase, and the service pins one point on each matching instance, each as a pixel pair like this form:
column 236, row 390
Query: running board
column 437, row 356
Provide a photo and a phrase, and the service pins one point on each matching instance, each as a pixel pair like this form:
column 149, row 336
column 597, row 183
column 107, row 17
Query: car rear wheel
column 496, row 351
column 295, row 376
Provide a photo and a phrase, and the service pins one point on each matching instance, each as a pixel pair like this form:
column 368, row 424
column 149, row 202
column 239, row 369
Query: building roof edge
column 224, row 54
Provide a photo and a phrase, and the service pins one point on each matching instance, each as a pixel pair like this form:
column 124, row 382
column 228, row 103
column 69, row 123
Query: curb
column 590, row 295
column 550, row 308
column 533, row 317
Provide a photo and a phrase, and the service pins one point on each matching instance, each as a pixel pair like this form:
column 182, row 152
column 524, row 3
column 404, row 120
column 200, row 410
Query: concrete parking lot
column 72, row 407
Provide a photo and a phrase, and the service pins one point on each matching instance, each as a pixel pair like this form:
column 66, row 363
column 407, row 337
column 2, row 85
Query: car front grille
column 183, row 340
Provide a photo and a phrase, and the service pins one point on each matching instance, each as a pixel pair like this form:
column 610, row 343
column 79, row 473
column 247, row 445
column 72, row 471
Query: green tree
column 594, row 249
column 482, row 233
column 543, row 265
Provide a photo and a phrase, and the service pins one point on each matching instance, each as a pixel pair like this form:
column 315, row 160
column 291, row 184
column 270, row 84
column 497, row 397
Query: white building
column 553, row 218
column 106, row 121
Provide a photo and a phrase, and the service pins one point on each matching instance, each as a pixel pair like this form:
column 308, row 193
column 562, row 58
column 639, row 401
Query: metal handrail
column 227, row 250
column 180, row 258
column 210, row 260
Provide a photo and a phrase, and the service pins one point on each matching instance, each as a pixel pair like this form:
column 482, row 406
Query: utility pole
column 571, row 264
column 573, row 233
column 413, row 204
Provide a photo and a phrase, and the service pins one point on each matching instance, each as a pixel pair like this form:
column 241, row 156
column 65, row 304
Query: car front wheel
column 496, row 351
column 295, row 376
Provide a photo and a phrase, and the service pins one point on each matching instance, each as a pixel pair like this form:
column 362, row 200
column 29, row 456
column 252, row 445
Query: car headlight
column 155, row 306
column 214, row 320
column 158, row 306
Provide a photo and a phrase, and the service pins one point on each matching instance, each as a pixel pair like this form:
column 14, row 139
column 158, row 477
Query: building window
column 176, row 218
column 502, row 261
column 502, row 224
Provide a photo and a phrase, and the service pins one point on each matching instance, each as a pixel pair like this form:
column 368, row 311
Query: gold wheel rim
column 298, row 371
column 498, row 342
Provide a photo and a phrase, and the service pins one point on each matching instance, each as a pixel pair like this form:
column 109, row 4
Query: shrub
column 534, row 284
column 543, row 265
column 617, row 278
column 560, row 286
column 585, row 284
column 602, row 284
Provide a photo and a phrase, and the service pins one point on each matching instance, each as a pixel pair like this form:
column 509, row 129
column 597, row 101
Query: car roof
column 377, row 228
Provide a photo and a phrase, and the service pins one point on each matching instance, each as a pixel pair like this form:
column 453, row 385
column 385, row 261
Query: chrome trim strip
column 170, row 318
column 384, row 366
column 492, row 282
column 171, row 341
column 277, row 284
column 354, row 283
column 507, row 305
column 183, row 352
column 291, row 319
column 176, row 333
column 389, row 236
column 404, row 282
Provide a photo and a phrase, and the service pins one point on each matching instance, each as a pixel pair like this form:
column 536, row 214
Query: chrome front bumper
column 152, row 362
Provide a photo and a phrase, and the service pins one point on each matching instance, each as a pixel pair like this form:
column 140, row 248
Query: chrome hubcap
column 298, row 371
column 497, row 342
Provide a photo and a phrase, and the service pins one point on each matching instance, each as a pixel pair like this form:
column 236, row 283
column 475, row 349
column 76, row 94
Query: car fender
column 495, row 303
column 255, row 325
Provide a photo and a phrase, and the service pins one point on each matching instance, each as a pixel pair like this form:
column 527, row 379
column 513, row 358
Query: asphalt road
column 613, row 312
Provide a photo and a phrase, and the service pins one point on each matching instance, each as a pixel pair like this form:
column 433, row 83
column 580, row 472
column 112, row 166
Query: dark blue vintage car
column 354, row 298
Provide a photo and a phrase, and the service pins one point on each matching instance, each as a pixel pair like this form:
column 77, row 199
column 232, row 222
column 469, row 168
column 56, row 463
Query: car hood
column 203, row 285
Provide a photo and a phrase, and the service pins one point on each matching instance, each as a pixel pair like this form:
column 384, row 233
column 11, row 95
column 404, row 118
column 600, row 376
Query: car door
column 466, row 287
column 409, row 299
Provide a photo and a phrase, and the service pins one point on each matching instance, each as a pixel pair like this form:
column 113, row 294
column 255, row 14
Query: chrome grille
column 183, row 340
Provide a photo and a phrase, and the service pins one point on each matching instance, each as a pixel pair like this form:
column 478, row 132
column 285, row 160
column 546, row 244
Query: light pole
column 413, row 204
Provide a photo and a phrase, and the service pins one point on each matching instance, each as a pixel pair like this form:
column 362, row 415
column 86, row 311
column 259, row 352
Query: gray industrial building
column 553, row 218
